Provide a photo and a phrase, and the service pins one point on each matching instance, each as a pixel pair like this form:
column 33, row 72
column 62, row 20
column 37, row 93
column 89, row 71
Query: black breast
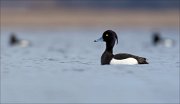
column 106, row 58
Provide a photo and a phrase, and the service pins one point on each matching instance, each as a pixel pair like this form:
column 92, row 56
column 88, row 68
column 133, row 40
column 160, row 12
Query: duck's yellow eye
column 107, row 35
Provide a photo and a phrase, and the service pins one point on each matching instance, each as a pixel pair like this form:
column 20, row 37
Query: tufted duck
column 107, row 57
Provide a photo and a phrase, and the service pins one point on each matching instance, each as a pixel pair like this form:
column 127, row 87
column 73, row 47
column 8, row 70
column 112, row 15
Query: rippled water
column 63, row 66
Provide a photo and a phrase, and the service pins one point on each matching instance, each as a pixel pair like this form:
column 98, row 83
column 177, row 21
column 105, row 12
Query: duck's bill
column 99, row 40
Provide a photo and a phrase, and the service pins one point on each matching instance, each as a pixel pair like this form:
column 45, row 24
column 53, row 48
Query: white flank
column 24, row 43
column 168, row 42
column 128, row 61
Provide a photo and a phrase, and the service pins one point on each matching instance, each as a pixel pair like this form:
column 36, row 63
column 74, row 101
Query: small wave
column 79, row 62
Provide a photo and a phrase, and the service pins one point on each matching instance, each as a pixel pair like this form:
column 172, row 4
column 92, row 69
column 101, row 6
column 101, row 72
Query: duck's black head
column 156, row 38
column 13, row 39
column 110, row 37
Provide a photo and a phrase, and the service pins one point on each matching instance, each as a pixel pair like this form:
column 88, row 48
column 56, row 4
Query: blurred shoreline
column 77, row 17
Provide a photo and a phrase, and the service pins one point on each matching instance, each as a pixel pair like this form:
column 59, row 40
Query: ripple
column 78, row 70
column 52, row 59
column 79, row 62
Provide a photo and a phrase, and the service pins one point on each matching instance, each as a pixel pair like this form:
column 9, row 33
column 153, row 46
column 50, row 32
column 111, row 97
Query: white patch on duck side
column 24, row 43
column 168, row 42
column 128, row 61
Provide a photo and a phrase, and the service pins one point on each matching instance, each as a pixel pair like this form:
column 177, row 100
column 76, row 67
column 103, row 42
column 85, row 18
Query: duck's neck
column 109, row 48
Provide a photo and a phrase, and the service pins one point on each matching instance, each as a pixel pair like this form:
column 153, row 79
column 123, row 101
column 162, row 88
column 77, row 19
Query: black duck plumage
column 110, row 37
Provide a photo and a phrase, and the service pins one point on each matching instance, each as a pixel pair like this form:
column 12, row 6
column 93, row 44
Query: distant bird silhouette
column 15, row 41
column 158, row 40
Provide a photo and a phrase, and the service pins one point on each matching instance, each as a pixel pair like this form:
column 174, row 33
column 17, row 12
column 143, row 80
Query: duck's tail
column 142, row 60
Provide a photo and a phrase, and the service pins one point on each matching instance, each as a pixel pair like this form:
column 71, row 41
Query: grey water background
column 59, row 68
column 62, row 65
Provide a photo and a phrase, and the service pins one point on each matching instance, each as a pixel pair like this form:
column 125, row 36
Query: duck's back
column 130, row 58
